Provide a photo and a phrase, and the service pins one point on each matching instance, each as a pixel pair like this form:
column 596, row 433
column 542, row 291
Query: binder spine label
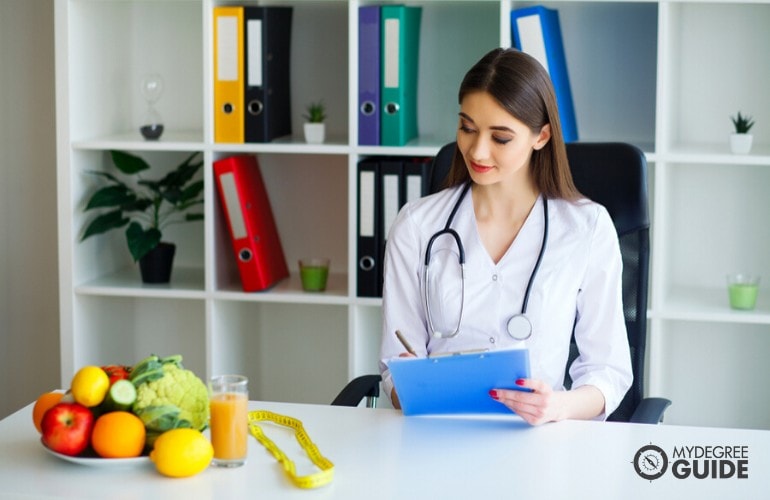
column 227, row 48
column 254, row 53
column 392, row 51
column 233, row 205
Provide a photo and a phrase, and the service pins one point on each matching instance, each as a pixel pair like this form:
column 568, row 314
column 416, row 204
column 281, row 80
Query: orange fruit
column 43, row 403
column 118, row 434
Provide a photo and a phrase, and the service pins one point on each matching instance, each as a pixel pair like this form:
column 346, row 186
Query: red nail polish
column 493, row 393
column 520, row 381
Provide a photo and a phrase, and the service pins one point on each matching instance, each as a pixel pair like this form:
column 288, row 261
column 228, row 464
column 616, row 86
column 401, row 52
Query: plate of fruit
column 112, row 415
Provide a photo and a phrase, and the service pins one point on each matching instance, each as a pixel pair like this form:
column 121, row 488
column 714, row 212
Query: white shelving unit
column 664, row 75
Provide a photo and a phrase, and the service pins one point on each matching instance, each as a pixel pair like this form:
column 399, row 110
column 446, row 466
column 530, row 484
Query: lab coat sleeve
column 600, row 332
column 402, row 307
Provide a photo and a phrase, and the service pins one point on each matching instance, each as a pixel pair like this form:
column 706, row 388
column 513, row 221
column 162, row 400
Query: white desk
column 379, row 454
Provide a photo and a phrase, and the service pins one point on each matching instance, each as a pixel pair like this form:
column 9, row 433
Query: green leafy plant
column 146, row 206
column 742, row 123
column 315, row 112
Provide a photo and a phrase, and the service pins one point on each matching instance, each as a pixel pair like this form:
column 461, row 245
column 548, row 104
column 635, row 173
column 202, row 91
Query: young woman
column 539, row 258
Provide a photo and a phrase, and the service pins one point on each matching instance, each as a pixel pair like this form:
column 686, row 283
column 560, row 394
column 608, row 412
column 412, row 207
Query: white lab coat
column 578, row 282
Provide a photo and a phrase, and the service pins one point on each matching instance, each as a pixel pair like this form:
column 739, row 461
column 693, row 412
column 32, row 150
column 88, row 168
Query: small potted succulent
column 146, row 207
column 315, row 128
column 741, row 139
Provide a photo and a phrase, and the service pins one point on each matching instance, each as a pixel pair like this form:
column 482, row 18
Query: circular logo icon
column 650, row 462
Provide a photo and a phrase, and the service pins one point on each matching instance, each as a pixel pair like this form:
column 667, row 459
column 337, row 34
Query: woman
column 519, row 218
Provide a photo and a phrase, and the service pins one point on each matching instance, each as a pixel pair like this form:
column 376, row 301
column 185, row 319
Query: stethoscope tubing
column 517, row 319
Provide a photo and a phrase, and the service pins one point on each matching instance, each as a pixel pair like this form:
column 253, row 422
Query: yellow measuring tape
column 324, row 476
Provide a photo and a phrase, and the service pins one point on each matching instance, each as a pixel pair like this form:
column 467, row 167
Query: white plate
column 100, row 462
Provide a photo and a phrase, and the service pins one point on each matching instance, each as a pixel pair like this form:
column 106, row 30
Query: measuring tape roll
column 321, row 478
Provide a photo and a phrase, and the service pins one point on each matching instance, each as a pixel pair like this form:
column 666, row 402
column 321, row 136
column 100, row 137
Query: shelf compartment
column 124, row 330
column 290, row 352
column 712, row 304
column 308, row 197
column 104, row 70
column 715, row 70
column 105, row 255
column 714, row 225
column 713, row 382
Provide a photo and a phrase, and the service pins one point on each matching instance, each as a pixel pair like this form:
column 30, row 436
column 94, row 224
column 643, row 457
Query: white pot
column 740, row 144
column 315, row 133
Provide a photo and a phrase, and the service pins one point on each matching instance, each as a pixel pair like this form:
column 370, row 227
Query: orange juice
column 229, row 426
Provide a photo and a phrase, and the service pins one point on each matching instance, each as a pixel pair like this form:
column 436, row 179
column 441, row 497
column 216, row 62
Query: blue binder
column 457, row 383
column 369, row 75
column 536, row 31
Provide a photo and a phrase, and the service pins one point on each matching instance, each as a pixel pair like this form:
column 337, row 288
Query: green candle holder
column 314, row 273
column 742, row 290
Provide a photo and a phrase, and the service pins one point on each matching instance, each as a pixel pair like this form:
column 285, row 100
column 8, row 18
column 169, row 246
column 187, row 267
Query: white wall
column 29, row 312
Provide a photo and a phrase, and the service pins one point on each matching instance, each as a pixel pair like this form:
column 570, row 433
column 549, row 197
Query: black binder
column 369, row 201
column 267, row 39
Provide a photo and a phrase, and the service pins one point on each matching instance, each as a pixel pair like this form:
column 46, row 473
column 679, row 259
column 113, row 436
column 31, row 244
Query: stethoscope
column 519, row 326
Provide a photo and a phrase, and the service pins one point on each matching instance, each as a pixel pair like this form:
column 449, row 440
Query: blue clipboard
column 458, row 383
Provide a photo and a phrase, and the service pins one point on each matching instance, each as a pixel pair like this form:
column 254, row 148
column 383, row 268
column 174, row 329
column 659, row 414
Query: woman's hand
column 542, row 404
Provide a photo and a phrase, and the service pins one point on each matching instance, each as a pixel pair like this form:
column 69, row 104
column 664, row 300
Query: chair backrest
column 614, row 175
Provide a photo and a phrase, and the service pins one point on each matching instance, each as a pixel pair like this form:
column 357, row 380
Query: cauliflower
column 169, row 396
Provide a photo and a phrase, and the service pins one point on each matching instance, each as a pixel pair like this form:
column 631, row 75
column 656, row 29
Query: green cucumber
column 121, row 396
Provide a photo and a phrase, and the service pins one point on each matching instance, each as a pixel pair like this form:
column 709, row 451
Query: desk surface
column 380, row 454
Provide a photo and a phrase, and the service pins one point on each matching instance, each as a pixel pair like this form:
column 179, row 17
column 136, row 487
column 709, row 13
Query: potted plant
column 740, row 140
column 146, row 207
column 315, row 129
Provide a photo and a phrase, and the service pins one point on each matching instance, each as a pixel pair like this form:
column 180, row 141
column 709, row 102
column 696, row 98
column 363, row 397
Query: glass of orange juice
column 228, row 401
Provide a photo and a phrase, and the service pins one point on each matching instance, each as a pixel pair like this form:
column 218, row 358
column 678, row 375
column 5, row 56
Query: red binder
column 255, row 238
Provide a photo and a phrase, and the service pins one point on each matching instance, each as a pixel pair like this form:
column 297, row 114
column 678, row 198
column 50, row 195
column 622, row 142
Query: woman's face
column 496, row 146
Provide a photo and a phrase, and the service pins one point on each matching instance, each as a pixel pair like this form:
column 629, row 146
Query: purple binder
column 369, row 75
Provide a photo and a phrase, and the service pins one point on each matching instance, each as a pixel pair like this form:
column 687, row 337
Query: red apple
column 67, row 428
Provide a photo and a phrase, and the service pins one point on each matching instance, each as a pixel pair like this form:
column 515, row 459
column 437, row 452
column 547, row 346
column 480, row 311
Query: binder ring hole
column 367, row 108
column 244, row 255
column 366, row 263
column 391, row 108
column 255, row 107
column 227, row 108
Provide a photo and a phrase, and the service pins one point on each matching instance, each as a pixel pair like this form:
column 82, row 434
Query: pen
column 405, row 343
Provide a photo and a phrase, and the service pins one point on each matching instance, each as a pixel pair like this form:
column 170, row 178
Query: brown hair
column 520, row 84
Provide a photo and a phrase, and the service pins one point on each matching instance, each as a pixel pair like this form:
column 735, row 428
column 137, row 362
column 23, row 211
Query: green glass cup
column 314, row 273
column 742, row 290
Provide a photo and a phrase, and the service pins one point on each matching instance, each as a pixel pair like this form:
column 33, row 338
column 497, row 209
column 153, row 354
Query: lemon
column 89, row 386
column 181, row 453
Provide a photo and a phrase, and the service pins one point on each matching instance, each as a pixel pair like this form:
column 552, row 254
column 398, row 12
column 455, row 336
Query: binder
column 400, row 44
column 368, row 259
column 416, row 179
column 228, row 74
column 266, row 68
column 458, row 383
column 246, row 206
column 369, row 75
column 536, row 31
column 389, row 181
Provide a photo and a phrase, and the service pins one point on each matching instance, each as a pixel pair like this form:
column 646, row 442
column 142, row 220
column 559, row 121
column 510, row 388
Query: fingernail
column 493, row 393
column 520, row 381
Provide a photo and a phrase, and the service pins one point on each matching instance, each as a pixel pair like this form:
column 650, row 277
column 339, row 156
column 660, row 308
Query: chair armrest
column 650, row 411
column 365, row 386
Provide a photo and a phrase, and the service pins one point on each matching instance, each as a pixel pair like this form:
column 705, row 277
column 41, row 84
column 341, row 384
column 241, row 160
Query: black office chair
column 615, row 175
column 365, row 386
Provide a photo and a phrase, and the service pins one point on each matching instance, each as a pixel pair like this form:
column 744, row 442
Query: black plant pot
column 156, row 265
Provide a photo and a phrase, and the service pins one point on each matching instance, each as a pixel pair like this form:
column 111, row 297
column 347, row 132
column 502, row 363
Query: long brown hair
column 520, row 84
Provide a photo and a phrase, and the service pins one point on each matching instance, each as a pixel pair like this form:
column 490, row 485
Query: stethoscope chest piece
column 519, row 327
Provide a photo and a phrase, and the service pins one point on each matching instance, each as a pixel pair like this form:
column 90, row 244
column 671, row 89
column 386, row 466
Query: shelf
column 693, row 304
column 290, row 291
column 186, row 283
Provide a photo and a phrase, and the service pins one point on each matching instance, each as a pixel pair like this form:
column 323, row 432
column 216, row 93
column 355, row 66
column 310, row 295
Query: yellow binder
column 228, row 75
